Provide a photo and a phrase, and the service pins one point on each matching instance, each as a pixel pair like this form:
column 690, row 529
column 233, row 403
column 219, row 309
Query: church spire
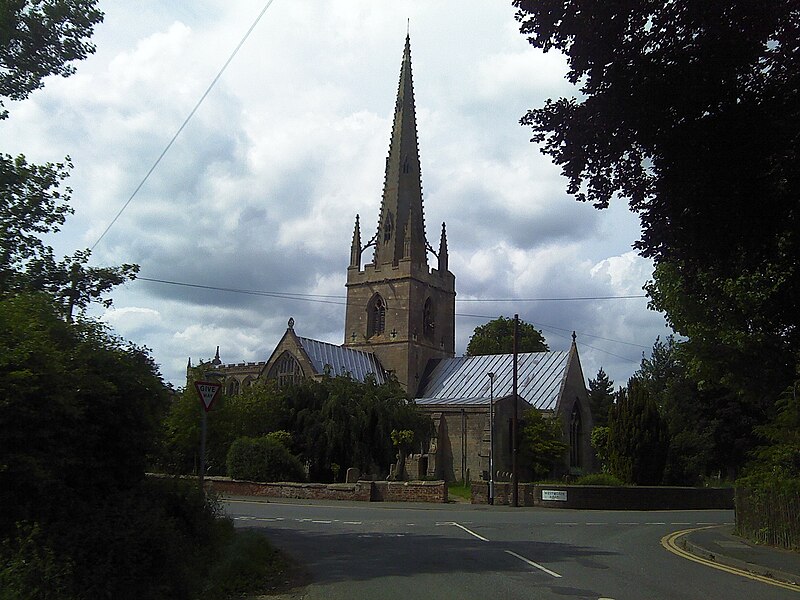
column 401, row 228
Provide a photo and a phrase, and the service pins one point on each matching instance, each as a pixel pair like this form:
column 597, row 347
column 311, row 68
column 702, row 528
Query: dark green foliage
column 42, row 38
column 637, row 437
column 711, row 428
column 33, row 203
column 687, row 109
column 497, row 337
column 541, row 444
column 249, row 564
column 598, row 479
column 334, row 421
column 599, row 440
column 778, row 457
column 263, row 459
column 341, row 421
column 601, row 397
column 79, row 411
column 157, row 539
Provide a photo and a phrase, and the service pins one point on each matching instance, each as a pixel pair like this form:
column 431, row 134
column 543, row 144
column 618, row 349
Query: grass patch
column 249, row 564
column 459, row 490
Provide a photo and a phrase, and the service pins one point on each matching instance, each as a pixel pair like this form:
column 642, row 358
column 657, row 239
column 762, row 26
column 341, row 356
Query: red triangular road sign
column 208, row 392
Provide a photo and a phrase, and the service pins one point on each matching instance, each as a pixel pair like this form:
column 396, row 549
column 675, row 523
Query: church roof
column 464, row 380
column 342, row 360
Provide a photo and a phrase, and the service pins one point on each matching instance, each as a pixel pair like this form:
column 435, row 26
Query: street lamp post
column 490, row 375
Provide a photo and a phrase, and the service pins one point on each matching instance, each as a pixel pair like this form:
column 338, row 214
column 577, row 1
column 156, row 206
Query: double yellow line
column 670, row 542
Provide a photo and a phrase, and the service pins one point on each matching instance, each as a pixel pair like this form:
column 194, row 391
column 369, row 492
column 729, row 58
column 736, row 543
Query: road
column 408, row 551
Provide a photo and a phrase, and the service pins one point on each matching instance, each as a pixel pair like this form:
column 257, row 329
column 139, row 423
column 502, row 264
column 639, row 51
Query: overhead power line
column 340, row 300
column 183, row 125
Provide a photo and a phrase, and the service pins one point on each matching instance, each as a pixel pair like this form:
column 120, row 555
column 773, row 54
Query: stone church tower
column 397, row 306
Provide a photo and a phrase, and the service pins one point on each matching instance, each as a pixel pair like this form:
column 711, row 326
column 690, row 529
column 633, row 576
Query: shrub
column 157, row 540
column 263, row 459
column 599, row 479
column 249, row 564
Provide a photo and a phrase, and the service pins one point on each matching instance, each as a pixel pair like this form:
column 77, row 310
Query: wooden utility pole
column 514, row 434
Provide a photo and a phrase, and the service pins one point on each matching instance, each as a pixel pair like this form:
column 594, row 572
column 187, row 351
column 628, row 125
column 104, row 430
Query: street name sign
column 208, row 392
column 554, row 495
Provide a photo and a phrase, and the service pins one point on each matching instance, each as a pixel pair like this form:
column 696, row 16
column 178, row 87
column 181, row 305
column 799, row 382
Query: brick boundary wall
column 409, row 491
column 361, row 491
column 600, row 497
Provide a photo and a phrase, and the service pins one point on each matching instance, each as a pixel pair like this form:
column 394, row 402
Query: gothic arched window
column 233, row 387
column 575, row 437
column 286, row 370
column 428, row 319
column 376, row 316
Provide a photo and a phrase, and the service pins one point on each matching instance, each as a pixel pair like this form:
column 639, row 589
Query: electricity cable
column 183, row 125
column 338, row 300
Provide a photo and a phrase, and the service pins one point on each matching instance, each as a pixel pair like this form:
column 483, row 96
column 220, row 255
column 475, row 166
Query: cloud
column 260, row 190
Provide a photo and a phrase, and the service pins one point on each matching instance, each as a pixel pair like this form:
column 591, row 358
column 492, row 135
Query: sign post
column 208, row 391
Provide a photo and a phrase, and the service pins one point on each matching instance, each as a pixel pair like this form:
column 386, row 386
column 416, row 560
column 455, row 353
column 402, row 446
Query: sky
column 260, row 190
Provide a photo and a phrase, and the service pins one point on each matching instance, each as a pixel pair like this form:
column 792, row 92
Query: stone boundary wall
column 361, row 491
column 408, row 491
column 607, row 497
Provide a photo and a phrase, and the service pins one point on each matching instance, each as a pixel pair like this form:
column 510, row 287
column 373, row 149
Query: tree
column 541, row 443
column 497, row 337
column 79, row 412
column 601, row 397
column 41, row 38
column 332, row 421
column 32, row 204
column 687, row 110
column 637, row 437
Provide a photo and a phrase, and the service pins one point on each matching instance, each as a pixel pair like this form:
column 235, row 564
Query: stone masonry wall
column 361, row 491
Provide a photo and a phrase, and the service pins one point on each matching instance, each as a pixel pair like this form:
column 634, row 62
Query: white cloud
column 260, row 190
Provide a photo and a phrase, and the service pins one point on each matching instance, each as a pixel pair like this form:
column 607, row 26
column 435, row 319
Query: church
column 400, row 323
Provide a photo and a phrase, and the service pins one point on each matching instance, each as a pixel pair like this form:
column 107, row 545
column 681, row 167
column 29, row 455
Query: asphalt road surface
column 409, row 551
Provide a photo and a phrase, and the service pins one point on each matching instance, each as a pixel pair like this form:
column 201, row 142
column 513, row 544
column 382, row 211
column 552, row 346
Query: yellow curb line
column 669, row 542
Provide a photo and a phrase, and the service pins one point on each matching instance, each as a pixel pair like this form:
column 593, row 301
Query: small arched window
column 233, row 387
column 376, row 316
column 428, row 319
column 575, row 437
column 286, row 370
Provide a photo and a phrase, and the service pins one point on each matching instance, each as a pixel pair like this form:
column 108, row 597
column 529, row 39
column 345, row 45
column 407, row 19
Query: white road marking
column 351, row 522
column 480, row 537
column 533, row 564
column 655, row 523
column 323, row 522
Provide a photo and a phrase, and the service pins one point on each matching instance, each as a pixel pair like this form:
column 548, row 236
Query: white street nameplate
column 554, row 495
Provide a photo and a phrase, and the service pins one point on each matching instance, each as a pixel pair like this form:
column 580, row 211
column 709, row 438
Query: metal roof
column 464, row 380
column 342, row 360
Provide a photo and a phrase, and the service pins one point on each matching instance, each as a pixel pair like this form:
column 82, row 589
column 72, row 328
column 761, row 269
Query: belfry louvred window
column 376, row 316
column 428, row 319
